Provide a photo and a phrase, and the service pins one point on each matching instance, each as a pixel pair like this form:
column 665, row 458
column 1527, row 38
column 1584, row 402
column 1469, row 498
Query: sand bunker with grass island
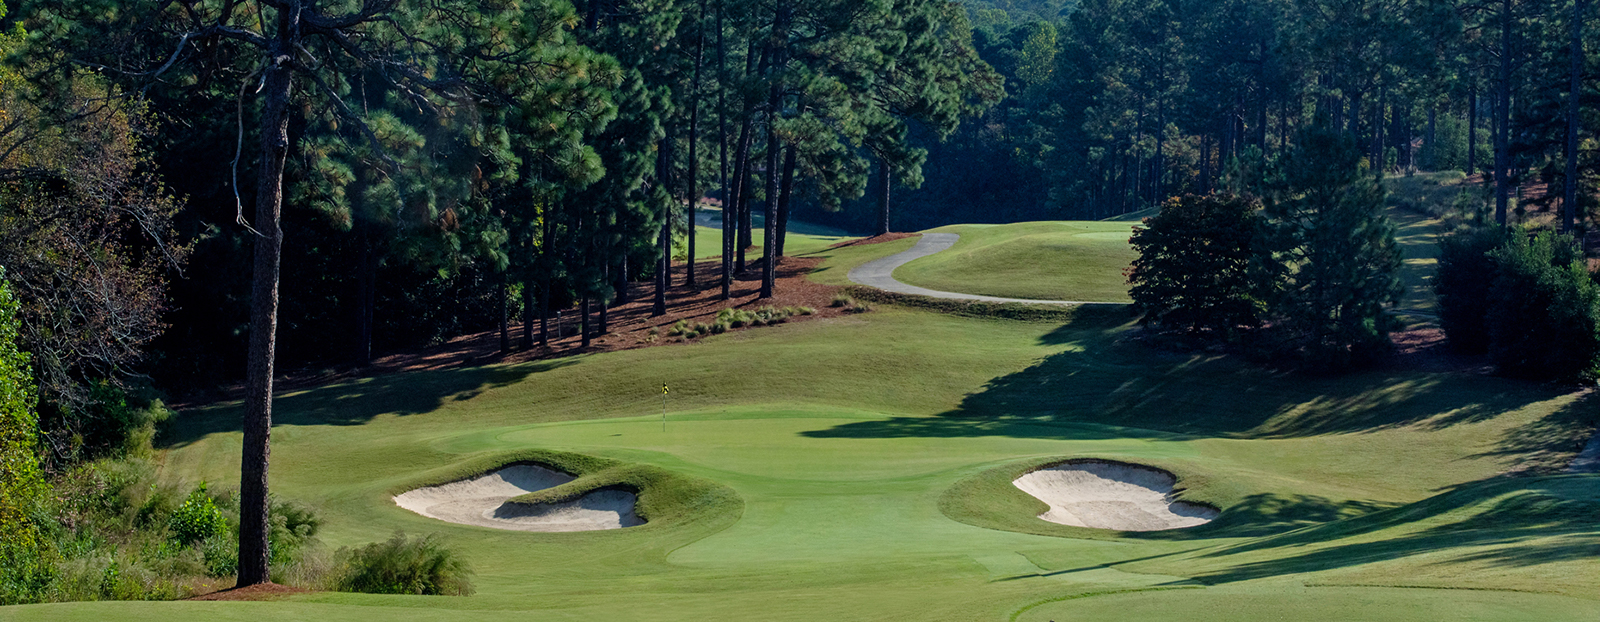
column 482, row 500
column 1112, row 495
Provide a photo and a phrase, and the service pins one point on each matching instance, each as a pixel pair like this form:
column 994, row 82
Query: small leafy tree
column 1192, row 270
column 1544, row 316
column 1328, row 258
column 24, row 567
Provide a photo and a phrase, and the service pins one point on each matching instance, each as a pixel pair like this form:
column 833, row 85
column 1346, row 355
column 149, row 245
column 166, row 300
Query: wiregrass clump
column 850, row 304
column 727, row 319
column 405, row 565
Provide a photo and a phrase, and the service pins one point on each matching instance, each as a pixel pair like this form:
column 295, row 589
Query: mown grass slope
column 1065, row 260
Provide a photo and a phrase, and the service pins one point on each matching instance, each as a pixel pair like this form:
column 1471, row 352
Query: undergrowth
column 728, row 319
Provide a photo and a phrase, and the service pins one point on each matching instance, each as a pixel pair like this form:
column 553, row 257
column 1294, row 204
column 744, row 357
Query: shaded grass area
column 1316, row 604
column 1065, row 260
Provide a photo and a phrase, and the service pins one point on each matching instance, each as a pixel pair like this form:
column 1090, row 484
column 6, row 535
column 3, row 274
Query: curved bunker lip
column 1102, row 494
column 481, row 501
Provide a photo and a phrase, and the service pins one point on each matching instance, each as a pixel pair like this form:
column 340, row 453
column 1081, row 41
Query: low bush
column 404, row 565
column 197, row 519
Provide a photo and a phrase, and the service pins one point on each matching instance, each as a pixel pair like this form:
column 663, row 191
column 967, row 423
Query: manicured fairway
column 865, row 452
column 1067, row 260
column 803, row 237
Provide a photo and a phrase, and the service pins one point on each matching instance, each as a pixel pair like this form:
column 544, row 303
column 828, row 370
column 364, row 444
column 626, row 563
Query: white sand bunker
column 1112, row 495
column 481, row 501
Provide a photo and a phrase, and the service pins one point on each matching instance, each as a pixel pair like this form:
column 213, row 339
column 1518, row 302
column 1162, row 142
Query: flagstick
column 663, row 409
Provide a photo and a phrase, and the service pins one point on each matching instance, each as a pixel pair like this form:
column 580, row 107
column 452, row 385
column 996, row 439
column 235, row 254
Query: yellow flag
column 663, row 388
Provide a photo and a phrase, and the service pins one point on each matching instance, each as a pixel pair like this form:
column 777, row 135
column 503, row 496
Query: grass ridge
column 666, row 498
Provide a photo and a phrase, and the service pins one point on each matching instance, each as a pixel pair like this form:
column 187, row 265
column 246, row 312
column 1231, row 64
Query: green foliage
column 1465, row 276
column 1192, row 270
column 197, row 519
column 1544, row 314
column 24, row 558
column 1327, row 261
column 402, row 565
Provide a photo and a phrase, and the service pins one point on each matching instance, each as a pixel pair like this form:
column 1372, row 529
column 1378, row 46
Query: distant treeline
column 1117, row 104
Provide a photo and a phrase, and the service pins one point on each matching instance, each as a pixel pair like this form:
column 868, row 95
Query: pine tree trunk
column 739, row 222
column 1430, row 148
column 1569, row 198
column 746, row 192
column 544, row 314
column 583, row 322
column 1161, row 135
column 1502, row 154
column 694, row 142
column 885, row 187
column 505, row 315
column 605, row 319
column 548, row 283
column 780, row 35
column 622, row 281
column 257, row 424
column 528, row 313
column 722, row 157
column 366, row 293
column 784, row 194
column 1472, row 127
column 664, row 241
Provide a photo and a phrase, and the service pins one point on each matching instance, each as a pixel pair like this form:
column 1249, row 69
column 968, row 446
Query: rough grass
column 1035, row 260
column 845, row 437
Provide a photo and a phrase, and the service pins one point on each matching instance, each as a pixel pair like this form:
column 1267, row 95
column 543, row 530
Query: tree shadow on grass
column 1549, row 444
column 1504, row 514
column 1266, row 514
column 1105, row 377
column 356, row 402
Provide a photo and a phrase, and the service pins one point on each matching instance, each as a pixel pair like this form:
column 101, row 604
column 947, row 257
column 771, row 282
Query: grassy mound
column 666, row 499
column 990, row 500
column 1035, row 260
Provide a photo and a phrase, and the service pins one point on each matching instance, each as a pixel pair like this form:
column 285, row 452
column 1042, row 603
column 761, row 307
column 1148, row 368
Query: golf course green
column 1056, row 260
column 860, row 467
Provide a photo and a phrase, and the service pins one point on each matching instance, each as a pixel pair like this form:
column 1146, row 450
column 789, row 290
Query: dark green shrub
column 1191, row 273
column 402, row 565
column 1465, row 275
column 1544, row 309
column 197, row 519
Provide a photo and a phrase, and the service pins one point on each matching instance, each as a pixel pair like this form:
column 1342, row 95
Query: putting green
column 843, row 439
column 1034, row 260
